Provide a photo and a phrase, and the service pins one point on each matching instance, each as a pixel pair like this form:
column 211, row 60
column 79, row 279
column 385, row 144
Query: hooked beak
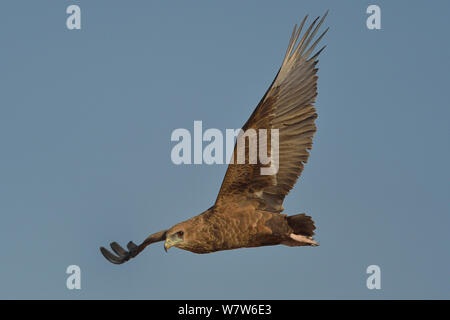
column 166, row 246
column 171, row 241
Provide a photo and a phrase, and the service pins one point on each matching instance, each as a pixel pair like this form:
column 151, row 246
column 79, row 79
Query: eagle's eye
column 180, row 234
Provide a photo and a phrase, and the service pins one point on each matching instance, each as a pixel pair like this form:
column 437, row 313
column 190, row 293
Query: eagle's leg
column 304, row 239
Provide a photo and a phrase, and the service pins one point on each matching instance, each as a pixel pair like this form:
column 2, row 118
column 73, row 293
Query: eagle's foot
column 304, row 239
column 122, row 254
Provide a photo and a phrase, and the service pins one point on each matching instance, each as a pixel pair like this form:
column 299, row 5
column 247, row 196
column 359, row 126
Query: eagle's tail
column 301, row 224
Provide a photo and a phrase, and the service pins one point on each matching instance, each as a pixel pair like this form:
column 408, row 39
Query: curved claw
column 110, row 257
column 122, row 254
column 132, row 246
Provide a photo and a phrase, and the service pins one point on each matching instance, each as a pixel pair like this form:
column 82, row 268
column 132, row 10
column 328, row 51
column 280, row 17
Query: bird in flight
column 247, row 211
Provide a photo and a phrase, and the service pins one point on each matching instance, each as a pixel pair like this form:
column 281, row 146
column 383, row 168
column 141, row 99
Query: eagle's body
column 247, row 211
column 237, row 226
column 241, row 225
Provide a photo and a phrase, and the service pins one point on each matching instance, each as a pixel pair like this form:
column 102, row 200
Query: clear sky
column 85, row 123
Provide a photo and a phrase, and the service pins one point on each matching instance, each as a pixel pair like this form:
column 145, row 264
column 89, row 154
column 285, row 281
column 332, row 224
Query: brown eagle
column 247, row 211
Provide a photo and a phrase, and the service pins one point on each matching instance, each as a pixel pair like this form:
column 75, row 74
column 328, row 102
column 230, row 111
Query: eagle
column 247, row 211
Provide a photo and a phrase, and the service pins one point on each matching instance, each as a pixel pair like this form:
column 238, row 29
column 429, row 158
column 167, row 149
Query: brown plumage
column 247, row 211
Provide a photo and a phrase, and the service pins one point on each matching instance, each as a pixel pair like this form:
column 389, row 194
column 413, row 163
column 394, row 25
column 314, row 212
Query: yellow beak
column 170, row 242
column 167, row 245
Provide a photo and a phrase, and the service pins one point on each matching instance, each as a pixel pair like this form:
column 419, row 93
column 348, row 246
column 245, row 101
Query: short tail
column 302, row 224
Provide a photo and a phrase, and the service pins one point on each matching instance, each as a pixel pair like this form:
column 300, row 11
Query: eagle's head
column 178, row 236
column 196, row 235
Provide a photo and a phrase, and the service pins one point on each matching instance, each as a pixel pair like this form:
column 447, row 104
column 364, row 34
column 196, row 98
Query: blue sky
column 85, row 123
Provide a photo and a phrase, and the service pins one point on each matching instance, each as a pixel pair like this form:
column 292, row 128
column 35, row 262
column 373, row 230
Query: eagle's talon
column 110, row 257
column 121, row 255
column 121, row 252
column 133, row 248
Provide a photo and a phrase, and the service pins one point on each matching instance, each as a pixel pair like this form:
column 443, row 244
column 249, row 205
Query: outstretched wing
column 288, row 107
